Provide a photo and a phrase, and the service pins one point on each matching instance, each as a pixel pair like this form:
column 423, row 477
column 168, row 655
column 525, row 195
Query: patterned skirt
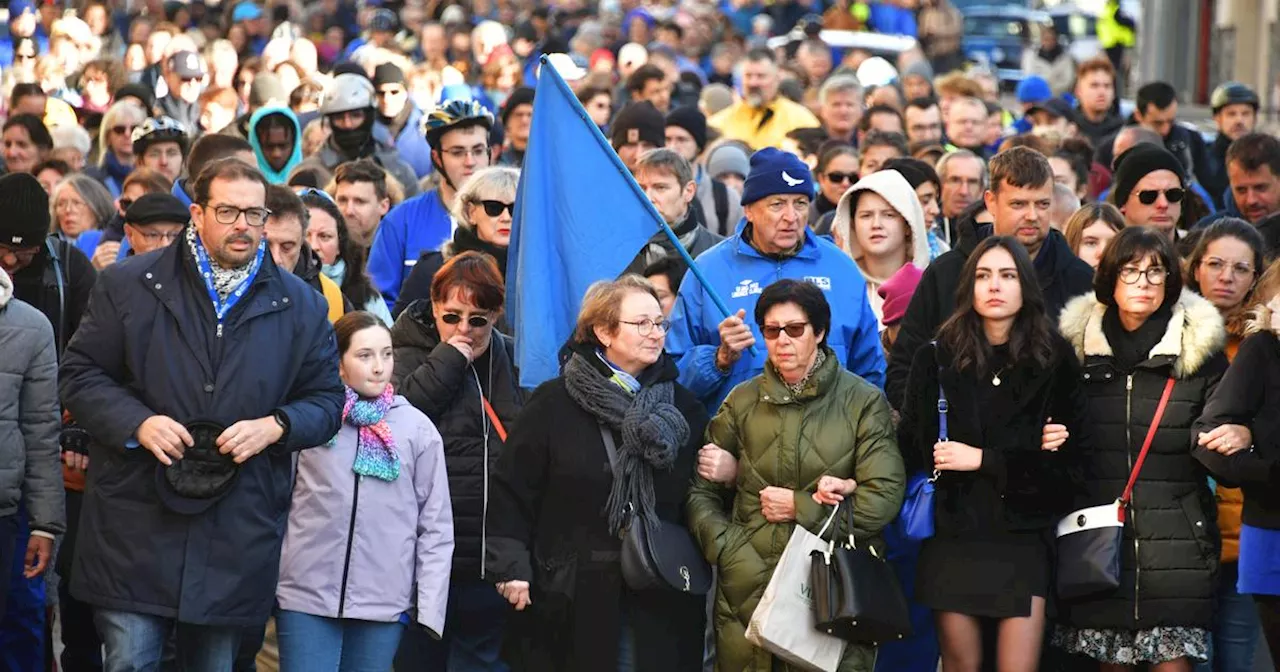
column 1131, row 647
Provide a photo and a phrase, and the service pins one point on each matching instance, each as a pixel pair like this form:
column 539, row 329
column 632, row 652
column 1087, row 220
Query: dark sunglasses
column 1149, row 196
column 475, row 321
column 495, row 208
column 125, row 203
column 842, row 177
column 122, row 129
column 794, row 330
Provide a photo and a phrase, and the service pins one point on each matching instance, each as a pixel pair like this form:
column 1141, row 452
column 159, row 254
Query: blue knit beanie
column 774, row 171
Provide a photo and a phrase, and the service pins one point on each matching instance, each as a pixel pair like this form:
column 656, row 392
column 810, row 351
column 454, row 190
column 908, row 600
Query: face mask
column 336, row 271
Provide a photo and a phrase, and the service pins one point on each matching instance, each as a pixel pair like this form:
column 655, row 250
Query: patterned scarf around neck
column 225, row 280
column 798, row 388
column 653, row 430
column 375, row 446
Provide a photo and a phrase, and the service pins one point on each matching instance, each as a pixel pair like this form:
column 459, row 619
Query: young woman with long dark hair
column 1003, row 479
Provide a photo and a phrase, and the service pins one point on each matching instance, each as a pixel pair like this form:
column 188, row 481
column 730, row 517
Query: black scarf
column 1131, row 348
column 1051, row 55
column 465, row 239
column 652, row 428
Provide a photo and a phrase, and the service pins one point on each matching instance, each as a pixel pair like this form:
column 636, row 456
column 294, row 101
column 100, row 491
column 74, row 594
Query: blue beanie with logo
column 774, row 171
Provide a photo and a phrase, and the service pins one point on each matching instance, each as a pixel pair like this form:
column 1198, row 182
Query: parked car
column 995, row 36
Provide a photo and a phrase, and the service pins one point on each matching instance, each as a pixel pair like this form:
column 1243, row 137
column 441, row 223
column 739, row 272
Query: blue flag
column 580, row 217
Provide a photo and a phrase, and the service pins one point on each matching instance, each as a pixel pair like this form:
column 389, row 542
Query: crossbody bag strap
column 609, row 446
column 1146, row 443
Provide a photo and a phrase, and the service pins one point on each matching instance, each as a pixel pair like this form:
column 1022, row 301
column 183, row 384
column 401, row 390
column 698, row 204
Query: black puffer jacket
column 439, row 381
column 1171, row 541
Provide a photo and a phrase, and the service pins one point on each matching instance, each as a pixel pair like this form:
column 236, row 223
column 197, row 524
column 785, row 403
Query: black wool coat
column 1019, row 487
column 1171, row 543
column 547, row 527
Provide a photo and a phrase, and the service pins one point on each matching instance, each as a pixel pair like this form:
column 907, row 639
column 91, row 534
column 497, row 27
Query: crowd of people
column 260, row 405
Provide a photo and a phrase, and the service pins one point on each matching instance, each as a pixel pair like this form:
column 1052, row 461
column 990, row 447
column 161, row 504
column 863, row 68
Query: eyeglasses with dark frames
column 227, row 215
column 475, row 321
column 646, row 326
column 1149, row 196
column 495, row 208
column 1155, row 275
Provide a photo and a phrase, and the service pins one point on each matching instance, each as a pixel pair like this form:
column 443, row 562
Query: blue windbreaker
column 739, row 273
column 420, row 224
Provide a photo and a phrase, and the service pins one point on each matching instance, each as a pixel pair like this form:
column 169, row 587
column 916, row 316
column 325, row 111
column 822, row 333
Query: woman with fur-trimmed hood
column 879, row 222
column 1136, row 331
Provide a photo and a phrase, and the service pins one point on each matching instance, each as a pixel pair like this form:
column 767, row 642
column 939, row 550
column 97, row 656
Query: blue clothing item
column 1259, row 561
column 1229, row 209
column 6, row 47
column 22, row 625
column 739, row 273
column 412, row 144
column 420, row 224
column 919, row 652
column 472, row 638
column 180, row 191
column 892, row 20
column 88, row 242
column 136, row 642
column 1236, row 628
column 935, row 244
column 275, row 176
column 318, row 643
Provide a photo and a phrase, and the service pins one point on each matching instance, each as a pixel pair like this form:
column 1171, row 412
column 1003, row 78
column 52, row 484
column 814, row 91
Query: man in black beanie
column 1149, row 188
column 517, row 120
column 49, row 273
column 402, row 117
column 638, row 128
column 686, row 133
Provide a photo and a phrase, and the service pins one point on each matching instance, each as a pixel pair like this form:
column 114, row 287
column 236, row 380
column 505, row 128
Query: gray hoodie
column 894, row 188
column 30, row 421
column 377, row 539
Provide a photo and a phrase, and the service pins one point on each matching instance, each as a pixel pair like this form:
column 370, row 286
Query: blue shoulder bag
column 917, row 507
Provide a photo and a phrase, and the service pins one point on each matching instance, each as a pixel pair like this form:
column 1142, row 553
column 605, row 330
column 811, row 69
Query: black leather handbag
column 663, row 558
column 856, row 595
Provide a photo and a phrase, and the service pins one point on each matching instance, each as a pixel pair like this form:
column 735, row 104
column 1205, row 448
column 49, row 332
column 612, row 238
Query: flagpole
column 720, row 305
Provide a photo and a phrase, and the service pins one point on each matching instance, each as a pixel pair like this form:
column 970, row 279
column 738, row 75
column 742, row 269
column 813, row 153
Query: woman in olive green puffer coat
column 836, row 425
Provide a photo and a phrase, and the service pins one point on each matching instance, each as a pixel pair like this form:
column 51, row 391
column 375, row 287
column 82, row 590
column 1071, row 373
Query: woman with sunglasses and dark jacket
column 483, row 210
column 454, row 366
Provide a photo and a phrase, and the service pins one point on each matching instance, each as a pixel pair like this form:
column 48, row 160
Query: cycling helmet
column 1233, row 93
column 159, row 129
column 454, row 114
column 345, row 93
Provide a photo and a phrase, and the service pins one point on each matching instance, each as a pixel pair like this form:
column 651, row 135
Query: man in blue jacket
column 772, row 243
column 458, row 133
column 197, row 371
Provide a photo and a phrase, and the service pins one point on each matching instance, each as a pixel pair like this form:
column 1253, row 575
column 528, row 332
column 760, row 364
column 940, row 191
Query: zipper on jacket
column 1133, row 514
column 351, row 535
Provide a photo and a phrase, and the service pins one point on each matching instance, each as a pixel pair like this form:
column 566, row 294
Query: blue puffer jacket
column 739, row 273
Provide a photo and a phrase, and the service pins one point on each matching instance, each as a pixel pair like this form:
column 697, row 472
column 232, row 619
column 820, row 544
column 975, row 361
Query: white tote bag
column 783, row 623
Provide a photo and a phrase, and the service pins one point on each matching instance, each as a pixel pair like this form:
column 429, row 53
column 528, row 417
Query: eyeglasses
column 646, row 326
column 773, row 331
column 842, row 177
column 1217, row 266
column 477, row 152
column 495, row 208
column 158, row 236
column 1155, row 275
column 125, row 203
column 1149, row 196
column 475, row 321
column 312, row 191
column 390, row 92
column 70, row 205
column 26, row 57
column 229, row 214
column 122, row 129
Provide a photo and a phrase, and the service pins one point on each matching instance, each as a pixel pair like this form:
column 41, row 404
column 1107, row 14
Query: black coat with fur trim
column 1171, row 544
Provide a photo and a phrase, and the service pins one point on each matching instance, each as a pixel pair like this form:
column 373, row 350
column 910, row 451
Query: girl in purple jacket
column 370, row 537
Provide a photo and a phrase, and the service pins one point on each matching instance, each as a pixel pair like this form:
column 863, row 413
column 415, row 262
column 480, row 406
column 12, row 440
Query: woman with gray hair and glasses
column 79, row 207
column 483, row 210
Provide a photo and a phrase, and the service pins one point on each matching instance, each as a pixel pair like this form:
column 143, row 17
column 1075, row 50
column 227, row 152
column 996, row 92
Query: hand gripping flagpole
column 548, row 67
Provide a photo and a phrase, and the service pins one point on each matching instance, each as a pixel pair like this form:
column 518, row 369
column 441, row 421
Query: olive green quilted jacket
column 839, row 425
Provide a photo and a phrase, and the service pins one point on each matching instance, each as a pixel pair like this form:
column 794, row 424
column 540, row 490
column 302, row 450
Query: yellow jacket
column 766, row 126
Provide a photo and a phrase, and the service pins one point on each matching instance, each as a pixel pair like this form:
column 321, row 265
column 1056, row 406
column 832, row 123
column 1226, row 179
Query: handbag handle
column 1146, row 446
column 835, row 510
column 943, row 408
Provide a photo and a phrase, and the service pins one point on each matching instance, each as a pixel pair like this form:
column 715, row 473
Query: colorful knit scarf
column 375, row 448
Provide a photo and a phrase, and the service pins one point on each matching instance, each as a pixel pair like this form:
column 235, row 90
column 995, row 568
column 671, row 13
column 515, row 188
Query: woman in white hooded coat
column 880, row 224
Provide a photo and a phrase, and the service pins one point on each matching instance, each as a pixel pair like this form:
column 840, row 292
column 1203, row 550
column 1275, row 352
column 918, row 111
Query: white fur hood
column 894, row 188
column 1196, row 331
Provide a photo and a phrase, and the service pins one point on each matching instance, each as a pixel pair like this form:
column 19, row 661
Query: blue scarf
column 621, row 378
column 226, row 298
